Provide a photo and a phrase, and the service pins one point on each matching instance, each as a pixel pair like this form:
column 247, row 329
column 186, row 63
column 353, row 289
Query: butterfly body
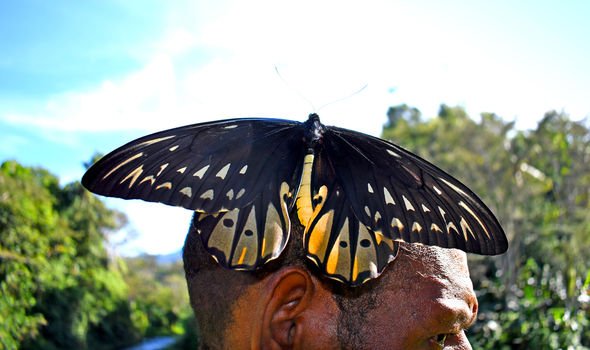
column 356, row 195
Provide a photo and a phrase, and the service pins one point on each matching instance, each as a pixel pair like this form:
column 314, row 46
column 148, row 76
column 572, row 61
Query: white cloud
column 325, row 50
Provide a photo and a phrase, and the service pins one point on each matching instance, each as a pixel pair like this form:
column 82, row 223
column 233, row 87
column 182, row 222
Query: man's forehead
column 442, row 270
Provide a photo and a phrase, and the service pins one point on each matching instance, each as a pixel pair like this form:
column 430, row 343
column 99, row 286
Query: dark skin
column 430, row 309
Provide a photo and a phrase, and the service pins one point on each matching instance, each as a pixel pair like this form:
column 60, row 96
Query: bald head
column 424, row 298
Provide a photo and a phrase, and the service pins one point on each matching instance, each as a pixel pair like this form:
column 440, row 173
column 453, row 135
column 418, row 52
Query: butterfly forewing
column 208, row 167
column 409, row 199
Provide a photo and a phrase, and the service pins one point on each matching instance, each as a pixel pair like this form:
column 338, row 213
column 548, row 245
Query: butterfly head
column 314, row 130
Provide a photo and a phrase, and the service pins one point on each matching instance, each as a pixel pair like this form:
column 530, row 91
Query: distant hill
column 169, row 258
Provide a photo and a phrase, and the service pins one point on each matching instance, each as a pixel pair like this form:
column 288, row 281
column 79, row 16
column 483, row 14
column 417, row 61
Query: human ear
column 290, row 294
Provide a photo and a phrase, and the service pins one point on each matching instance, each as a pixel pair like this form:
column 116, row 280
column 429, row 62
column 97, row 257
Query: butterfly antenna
column 297, row 92
column 344, row 98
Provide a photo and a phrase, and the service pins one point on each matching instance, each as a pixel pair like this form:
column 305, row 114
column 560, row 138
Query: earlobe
column 290, row 293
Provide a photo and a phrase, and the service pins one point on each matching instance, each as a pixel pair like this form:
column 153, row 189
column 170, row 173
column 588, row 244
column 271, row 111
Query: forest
column 63, row 287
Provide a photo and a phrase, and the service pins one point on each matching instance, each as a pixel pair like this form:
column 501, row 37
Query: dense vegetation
column 538, row 183
column 61, row 289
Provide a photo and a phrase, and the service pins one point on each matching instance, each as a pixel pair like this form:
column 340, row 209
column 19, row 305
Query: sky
column 80, row 77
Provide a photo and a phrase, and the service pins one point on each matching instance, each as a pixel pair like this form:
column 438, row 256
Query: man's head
column 424, row 298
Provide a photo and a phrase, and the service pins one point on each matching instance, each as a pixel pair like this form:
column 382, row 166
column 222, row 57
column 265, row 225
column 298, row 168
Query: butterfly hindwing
column 246, row 238
column 343, row 247
column 207, row 167
column 407, row 198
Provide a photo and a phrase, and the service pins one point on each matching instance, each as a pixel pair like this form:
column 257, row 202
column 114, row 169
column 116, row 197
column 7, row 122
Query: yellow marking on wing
column 464, row 206
column 455, row 188
column 318, row 238
column 134, row 175
column 339, row 259
column 273, row 233
column 248, row 239
column 150, row 178
column 165, row 185
column 434, row 227
column 151, row 142
column 465, row 228
column 222, row 236
column 355, row 269
column 242, row 256
column 379, row 237
column 303, row 202
column 395, row 222
column 162, row 167
column 416, row 227
column 123, row 163
column 366, row 254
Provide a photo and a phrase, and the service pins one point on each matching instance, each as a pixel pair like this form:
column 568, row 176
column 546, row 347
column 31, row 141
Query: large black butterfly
column 356, row 195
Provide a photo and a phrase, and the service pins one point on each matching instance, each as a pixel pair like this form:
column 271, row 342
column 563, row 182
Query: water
column 158, row 343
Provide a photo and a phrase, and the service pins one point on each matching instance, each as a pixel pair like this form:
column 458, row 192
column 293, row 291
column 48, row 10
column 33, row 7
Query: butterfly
column 356, row 195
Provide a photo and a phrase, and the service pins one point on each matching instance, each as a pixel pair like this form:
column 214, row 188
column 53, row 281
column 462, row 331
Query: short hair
column 213, row 289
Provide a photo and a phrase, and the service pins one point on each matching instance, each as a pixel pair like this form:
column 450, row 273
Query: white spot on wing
column 230, row 194
column 187, row 191
column 439, row 192
column 199, row 173
column 181, row 170
column 173, row 148
column 393, row 153
column 231, row 126
column 370, row 188
column 368, row 211
column 388, row 197
column 425, row 208
column 208, row 194
column 223, row 171
column 240, row 193
column 407, row 203
column 244, row 169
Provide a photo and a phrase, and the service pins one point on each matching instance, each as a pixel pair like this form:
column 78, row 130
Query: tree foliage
column 60, row 288
column 538, row 183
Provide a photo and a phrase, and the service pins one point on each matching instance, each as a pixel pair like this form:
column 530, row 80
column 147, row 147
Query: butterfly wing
column 395, row 192
column 207, row 167
column 335, row 239
column 239, row 173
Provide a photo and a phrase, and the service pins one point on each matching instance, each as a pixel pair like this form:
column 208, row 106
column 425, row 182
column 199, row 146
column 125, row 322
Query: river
column 158, row 343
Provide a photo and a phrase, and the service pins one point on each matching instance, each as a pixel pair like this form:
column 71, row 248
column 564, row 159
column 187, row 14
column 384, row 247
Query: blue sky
column 78, row 77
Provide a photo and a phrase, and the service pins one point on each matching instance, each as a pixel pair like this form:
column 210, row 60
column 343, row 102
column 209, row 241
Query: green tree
column 58, row 284
column 537, row 183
